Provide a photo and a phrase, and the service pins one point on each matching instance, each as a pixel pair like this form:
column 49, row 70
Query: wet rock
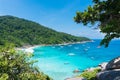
column 109, row 75
column 113, row 64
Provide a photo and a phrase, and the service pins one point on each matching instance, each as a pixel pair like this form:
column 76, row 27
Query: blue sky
column 56, row 14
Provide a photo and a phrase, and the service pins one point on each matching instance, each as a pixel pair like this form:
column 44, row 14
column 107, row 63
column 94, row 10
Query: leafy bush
column 90, row 75
column 17, row 66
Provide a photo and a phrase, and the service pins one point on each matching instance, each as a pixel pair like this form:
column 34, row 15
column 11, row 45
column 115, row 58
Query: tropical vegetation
column 106, row 13
column 90, row 75
column 24, row 32
column 15, row 65
column 17, row 32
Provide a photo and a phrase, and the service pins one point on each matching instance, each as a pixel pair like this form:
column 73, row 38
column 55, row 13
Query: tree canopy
column 107, row 14
column 24, row 32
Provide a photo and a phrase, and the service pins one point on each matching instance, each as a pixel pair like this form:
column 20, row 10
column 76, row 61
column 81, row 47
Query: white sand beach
column 29, row 48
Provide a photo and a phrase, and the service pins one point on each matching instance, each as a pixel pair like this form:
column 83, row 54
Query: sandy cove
column 30, row 48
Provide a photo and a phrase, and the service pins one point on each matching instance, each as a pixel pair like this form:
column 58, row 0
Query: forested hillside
column 24, row 32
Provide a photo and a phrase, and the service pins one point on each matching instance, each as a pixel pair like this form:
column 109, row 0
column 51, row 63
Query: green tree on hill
column 105, row 12
column 24, row 32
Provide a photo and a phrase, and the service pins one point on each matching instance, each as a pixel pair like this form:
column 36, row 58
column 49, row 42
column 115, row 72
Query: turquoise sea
column 59, row 62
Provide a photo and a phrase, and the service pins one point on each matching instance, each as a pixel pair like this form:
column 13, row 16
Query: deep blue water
column 59, row 62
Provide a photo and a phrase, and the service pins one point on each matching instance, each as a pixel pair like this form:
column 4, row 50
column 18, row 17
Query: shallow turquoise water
column 59, row 62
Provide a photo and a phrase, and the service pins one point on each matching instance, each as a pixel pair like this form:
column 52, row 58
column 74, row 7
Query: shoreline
column 54, row 45
column 72, row 43
column 30, row 48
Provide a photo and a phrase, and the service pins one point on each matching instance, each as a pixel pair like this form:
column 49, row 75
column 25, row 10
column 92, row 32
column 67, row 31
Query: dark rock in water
column 113, row 64
column 76, row 71
column 109, row 75
column 66, row 62
column 77, row 78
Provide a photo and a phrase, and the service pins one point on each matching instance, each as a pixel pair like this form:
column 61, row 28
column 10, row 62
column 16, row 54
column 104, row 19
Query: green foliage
column 90, row 75
column 105, row 12
column 17, row 66
column 4, row 76
column 23, row 32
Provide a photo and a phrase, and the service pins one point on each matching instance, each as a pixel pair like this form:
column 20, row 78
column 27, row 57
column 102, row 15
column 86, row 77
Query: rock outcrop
column 109, row 75
column 110, row 71
column 113, row 64
column 103, row 66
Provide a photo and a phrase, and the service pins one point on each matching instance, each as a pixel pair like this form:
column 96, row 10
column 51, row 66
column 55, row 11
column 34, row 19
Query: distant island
column 24, row 32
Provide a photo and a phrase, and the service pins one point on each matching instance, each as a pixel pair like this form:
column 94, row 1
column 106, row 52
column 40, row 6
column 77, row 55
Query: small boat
column 61, row 46
column 98, row 46
column 66, row 62
column 86, row 49
column 53, row 47
column 71, row 54
column 83, row 45
column 69, row 45
column 92, row 57
column 76, row 47
column 76, row 71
